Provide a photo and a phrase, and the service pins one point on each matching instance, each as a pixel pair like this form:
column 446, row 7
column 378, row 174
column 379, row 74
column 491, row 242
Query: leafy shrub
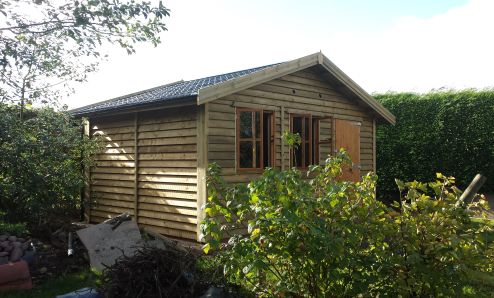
column 16, row 229
column 41, row 164
column 288, row 234
column 449, row 132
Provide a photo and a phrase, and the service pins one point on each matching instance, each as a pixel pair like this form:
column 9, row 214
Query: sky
column 383, row 45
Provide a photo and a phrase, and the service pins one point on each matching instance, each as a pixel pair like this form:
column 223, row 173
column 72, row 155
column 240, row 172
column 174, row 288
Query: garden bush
column 41, row 159
column 310, row 234
column 451, row 132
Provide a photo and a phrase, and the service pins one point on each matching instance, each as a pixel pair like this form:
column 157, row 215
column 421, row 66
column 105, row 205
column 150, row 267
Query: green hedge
column 40, row 165
column 451, row 132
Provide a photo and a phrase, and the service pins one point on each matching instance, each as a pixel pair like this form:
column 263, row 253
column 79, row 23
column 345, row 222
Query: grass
column 58, row 285
column 17, row 229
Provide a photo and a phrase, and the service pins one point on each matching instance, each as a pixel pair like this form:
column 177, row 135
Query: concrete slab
column 106, row 242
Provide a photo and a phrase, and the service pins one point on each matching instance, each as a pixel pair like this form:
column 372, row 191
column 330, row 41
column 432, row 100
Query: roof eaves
column 131, row 107
column 85, row 110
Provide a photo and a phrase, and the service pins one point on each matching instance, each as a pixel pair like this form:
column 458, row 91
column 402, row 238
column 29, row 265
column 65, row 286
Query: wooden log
column 472, row 189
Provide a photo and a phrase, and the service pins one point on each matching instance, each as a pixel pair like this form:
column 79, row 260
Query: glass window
column 307, row 152
column 254, row 139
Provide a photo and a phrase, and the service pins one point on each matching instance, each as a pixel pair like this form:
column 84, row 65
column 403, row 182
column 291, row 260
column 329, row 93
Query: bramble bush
column 41, row 158
column 448, row 131
column 289, row 233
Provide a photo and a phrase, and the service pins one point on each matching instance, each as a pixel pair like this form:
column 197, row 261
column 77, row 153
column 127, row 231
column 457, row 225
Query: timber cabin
column 159, row 141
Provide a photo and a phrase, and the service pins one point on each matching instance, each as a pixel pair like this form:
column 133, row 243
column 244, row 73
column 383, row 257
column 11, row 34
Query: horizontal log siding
column 166, row 176
column 301, row 92
column 112, row 185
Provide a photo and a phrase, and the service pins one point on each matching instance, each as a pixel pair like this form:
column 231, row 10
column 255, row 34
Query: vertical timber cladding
column 165, row 182
column 303, row 92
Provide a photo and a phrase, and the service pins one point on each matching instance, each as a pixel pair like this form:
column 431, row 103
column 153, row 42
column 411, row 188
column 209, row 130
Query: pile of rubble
column 13, row 248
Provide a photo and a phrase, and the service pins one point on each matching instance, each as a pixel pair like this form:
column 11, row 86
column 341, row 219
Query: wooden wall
column 302, row 92
column 148, row 169
column 151, row 166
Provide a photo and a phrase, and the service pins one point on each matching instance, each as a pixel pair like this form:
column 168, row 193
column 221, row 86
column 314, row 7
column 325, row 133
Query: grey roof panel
column 173, row 91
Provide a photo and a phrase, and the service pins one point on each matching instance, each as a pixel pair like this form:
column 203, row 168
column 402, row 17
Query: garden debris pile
column 52, row 257
column 13, row 248
column 152, row 272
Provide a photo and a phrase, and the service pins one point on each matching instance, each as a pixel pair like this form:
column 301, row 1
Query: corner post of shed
column 202, row 163
column 374, row 147
column 136, row 166
column 87, row 177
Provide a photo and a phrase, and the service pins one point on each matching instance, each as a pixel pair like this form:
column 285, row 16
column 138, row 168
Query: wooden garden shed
column 160, row 141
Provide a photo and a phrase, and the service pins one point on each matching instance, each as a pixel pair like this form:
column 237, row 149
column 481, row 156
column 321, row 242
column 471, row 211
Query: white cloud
column 452, row 49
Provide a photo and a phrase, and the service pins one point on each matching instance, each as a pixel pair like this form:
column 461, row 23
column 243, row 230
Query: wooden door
column 347, row 136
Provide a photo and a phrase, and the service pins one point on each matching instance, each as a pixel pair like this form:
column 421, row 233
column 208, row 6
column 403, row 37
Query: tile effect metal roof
column 173, row 91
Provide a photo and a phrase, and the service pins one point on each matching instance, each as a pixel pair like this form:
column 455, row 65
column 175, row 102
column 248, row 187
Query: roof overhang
column 214, row 92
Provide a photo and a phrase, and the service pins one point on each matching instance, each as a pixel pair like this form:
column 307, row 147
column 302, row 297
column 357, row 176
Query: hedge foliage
column 451, row 132
column 41, row 160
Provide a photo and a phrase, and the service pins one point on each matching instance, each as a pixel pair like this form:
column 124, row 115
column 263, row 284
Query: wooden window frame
column 253, row 139
column 316, row 159
column 272, row 161
column 302, row 146
column 329, row 142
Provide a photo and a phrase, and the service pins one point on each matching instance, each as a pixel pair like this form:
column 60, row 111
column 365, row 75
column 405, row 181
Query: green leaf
column 206, row 247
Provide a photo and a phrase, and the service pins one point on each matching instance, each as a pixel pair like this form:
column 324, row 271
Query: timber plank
column 115, row 163
column 168, row 201
column 168, row 194
column 163, row 228
column 168, row 164
column 167, row 156
column 168, row 186
column 106, row 176
column 169, row 216
column 115, row 170
column 168, row 148
column 168, row 209
column 167, row 126
column 168, row 141
column 168, row 171
column 112, row 189
column 113, row 196
column 118, row 183
column 167, row 179
column 168, row 133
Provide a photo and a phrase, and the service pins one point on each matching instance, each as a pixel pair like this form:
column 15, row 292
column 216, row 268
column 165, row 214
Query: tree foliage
column 449, row 132
column 41, row 162
column 45, row 44
column 291, row 234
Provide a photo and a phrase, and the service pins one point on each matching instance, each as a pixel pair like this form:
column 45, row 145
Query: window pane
column 307, row 155
column 266, row 137
column 258, row 154
column 297, row 156
column 297, row 125
column 246, row 154
column 315, row 139
column 258, row 124
column 245, row 124
column 307, row 127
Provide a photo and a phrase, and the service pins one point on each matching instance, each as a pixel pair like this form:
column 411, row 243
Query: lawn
column 58, row 286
